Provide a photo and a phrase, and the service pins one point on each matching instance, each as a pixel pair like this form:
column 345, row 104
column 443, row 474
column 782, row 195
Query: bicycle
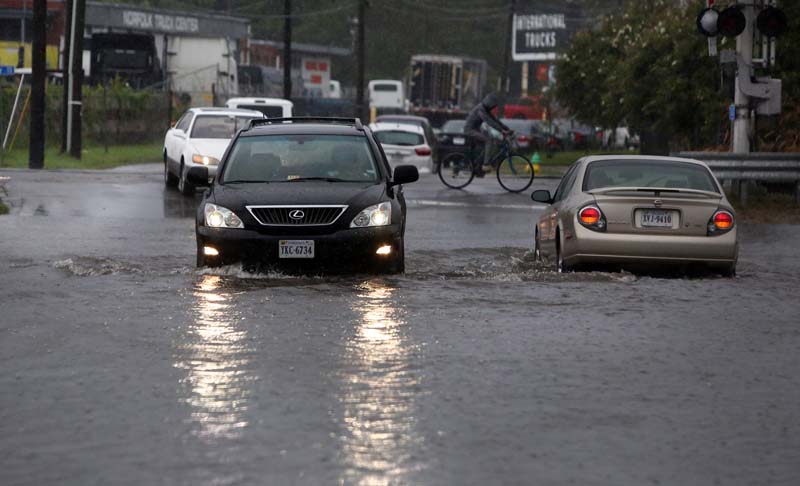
column 514, row 171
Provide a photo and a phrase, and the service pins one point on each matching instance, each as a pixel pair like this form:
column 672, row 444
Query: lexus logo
column 657, row 203
column 297, row 214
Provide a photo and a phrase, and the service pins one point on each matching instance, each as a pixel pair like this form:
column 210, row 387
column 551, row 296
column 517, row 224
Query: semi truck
column 132, row 58
column 445, row 87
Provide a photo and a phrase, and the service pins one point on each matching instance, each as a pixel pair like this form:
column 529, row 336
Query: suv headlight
column 219, row 217
column 377, row 215
column 204, row 159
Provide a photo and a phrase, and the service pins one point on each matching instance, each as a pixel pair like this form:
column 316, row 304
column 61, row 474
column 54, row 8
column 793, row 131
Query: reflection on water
column 216, row 361
column 378, row 394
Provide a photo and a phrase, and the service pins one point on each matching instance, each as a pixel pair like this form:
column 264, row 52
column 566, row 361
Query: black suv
column 313, row 193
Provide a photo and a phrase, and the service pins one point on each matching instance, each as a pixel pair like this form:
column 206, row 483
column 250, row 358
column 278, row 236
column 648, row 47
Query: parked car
column 527, row 134
column 637, row 210
column 525, row 108
column 310, row 193
column 420, row 121
column 405, row 145
column 451, row 139
column 199, row 138
column 270, row 107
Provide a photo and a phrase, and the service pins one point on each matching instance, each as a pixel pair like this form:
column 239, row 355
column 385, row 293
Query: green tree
column 645, row 68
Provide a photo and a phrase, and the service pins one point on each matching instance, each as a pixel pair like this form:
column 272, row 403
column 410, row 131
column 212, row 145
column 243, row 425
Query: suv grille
column 296, row 215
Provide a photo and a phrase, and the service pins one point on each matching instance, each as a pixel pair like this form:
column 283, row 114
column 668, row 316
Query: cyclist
column 482, row 113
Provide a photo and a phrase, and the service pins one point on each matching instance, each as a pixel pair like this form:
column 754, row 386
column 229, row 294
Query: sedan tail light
column 522, row 138
column 423, row 151
column 591, row 217
column 721, row 222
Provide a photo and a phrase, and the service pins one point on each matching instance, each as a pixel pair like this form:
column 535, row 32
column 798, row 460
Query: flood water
column 123, row 364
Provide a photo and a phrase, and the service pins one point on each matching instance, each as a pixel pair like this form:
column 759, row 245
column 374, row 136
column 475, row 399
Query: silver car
column 634, row 210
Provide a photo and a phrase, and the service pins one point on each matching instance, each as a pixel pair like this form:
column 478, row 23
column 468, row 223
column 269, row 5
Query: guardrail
column 740, row 169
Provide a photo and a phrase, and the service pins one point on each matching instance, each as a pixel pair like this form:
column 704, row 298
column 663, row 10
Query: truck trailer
column 445, row 87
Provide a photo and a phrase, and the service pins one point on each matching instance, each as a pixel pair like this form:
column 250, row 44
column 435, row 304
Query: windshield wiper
column 327, row 179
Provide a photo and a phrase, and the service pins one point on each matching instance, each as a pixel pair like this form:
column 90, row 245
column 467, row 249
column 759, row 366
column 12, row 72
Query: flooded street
column 123, row 364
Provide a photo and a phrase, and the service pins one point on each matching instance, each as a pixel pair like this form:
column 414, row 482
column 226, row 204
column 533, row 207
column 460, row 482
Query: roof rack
column 306, row 119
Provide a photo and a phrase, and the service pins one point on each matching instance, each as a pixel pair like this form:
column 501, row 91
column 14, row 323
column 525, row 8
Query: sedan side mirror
column 405, row 174
column 542, row 196
column 198, row 176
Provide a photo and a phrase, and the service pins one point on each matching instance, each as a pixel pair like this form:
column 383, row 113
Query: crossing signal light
column 707, row 22
column 771, row 22
column 731, row 21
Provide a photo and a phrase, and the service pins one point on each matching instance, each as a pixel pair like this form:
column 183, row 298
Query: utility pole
column 38, row 78
column 21, row 51
column 744, row 51
column 504, row 85
column 75, row 82
column 361, row 108
column 65, row 70
column 287, row 49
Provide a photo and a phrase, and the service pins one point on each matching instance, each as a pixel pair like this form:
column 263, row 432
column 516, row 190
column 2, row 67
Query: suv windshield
column 398, row 137
column 638, row 173
column 218, row 126
column 286, row 158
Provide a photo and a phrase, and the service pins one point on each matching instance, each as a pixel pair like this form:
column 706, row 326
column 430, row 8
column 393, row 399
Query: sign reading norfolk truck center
column 539, row 36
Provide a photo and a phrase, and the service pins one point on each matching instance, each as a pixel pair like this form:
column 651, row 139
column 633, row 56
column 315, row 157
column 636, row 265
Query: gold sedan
column 630, row 211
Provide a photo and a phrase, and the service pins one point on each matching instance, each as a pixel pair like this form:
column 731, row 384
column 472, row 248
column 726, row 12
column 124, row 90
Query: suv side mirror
column 542, row 196
column 198, row 176
column 404, row 174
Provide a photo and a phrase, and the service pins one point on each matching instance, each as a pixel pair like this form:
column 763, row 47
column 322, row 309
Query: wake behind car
column 199, row 138
column 637, row 210
column 312, row 193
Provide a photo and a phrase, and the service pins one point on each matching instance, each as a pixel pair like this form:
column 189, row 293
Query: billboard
column 540, row 35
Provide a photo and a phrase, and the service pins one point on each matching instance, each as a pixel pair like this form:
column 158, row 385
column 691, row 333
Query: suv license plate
column 657, row 218
column 459, row 140
column 296, row 249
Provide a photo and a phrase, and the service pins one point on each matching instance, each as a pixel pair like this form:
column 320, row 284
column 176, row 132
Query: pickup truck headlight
column 377, row 215
column 204, row 159
column 219, row 217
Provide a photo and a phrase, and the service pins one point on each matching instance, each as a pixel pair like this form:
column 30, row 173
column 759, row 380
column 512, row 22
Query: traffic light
column 731, row 21
column 771, row 22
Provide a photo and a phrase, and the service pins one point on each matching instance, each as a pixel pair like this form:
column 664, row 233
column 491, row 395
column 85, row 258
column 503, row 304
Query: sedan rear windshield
column 648, row 173
column 287, row 158
column 399, row 137
column 218, row 126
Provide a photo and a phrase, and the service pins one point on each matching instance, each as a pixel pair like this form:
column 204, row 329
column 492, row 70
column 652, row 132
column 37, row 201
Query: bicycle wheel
column 455, row 171
column 515, row 173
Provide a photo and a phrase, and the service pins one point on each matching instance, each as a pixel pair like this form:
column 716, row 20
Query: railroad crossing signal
column 731, row 22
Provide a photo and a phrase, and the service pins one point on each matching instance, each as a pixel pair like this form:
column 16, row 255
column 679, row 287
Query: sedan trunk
column 682, row 212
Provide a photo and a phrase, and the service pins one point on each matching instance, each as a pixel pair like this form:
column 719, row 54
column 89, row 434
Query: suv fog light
column 384, row 250
column 210, row 251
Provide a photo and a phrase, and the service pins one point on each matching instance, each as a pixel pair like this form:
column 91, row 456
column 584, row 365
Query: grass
column 568, row 157
column 92, row 157
column 3, row 208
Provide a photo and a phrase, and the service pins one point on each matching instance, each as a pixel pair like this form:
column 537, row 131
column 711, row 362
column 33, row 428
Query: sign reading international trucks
column 540, row 35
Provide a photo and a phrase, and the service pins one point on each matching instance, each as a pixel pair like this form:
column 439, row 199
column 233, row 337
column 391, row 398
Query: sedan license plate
column 296, row 249
column 459, row 140
column 657, row 218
